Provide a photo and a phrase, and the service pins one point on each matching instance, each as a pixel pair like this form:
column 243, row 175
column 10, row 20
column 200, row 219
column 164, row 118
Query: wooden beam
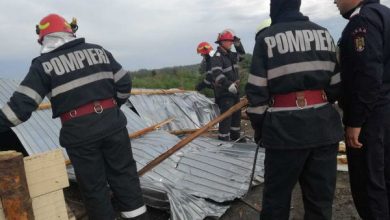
column 188, row 131
column 185, row 141
column 149, row 129
column 44, row 106
column 156, row 91
column 47, row 105
column 14, row 192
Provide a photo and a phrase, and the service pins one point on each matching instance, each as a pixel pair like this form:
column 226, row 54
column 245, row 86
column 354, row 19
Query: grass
column 183, row 77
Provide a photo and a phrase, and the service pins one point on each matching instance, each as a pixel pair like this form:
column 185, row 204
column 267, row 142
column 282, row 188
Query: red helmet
column 225, row 36
column 52, row 23
column 204, row 48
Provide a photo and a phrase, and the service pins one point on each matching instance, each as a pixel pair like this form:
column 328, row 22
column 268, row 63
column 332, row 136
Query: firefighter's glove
column 236, row 41
column 233, row 88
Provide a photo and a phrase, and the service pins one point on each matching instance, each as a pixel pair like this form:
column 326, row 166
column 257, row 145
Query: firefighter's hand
column 233, row 88
column 237, row 82
column 236, row 41
column 352, row 137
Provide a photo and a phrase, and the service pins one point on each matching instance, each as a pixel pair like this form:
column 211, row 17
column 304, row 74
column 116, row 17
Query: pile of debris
column 194, row 182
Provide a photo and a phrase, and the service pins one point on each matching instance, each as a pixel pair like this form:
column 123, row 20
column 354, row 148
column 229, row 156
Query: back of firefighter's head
column 204, row 48
column 54, row 23
column 280, row 7
column 225, row 39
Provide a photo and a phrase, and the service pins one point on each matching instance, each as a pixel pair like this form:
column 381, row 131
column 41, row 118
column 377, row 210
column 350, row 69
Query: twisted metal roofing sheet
column 190, row 110
column 204, row 170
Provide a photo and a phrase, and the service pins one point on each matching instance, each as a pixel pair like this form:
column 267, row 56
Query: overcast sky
column 143, row 34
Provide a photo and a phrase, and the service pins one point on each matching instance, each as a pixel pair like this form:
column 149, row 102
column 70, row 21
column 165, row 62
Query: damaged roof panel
column 204, row 170
column 190, row 110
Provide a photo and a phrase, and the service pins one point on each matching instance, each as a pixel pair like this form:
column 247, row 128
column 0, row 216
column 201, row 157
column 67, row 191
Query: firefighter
column 86, row 87
column 225, row 73
column 293, row 80
column 365, row 72
column 206, row 51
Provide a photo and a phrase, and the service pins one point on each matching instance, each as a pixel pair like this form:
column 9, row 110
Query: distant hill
column 184, row 77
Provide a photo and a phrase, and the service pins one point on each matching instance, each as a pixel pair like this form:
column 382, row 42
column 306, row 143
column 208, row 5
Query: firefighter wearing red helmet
column 224, row 67
column 206, row 51
column 54, row 23
column 86, row 87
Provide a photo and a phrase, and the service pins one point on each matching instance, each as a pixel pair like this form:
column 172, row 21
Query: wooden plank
column 185, row 141
column 156, row 91
column 47, row 105
column 46, row 172
column 50, row 206
column 14, row 193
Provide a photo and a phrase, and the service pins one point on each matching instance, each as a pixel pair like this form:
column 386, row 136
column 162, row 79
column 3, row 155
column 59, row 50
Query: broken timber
column 188, row 131
column 44, row 106
column 185, row 141
column 14, row 193
column 151, row 128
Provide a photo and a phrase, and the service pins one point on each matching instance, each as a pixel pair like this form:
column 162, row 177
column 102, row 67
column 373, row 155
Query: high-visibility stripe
column 219, row 77
column 227, row 69
column 235, row 128
column 257, row 110
column 10, row 114
column 278, row 109
column 224, row 135
column 216, row 68
column 257, row 80
column 335, row 79
column 301, row 67
column 81, row 82
column 30, row 93
column 119, row 75
column 122, row 95
column 134, row 213
column 48, row 95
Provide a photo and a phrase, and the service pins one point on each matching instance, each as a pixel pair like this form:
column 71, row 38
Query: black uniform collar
column 348, row 14
column 286, row 11
column 70, row 44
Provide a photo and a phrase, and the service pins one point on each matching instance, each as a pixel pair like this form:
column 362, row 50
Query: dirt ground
column 343, row 207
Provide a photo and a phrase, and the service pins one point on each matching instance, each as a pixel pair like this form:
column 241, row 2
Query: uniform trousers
column 103, row 165
column 230, row 127
column 369, row 167
column 314, row 168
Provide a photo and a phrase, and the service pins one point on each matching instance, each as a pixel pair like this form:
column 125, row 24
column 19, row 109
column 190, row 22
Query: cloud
column 143, row 34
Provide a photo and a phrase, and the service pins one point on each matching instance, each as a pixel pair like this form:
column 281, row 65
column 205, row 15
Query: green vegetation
column 183, row 77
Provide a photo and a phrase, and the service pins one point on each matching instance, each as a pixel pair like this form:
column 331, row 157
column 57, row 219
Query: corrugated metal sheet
column 204, row 170
column 190, row 109
column 40, row 133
